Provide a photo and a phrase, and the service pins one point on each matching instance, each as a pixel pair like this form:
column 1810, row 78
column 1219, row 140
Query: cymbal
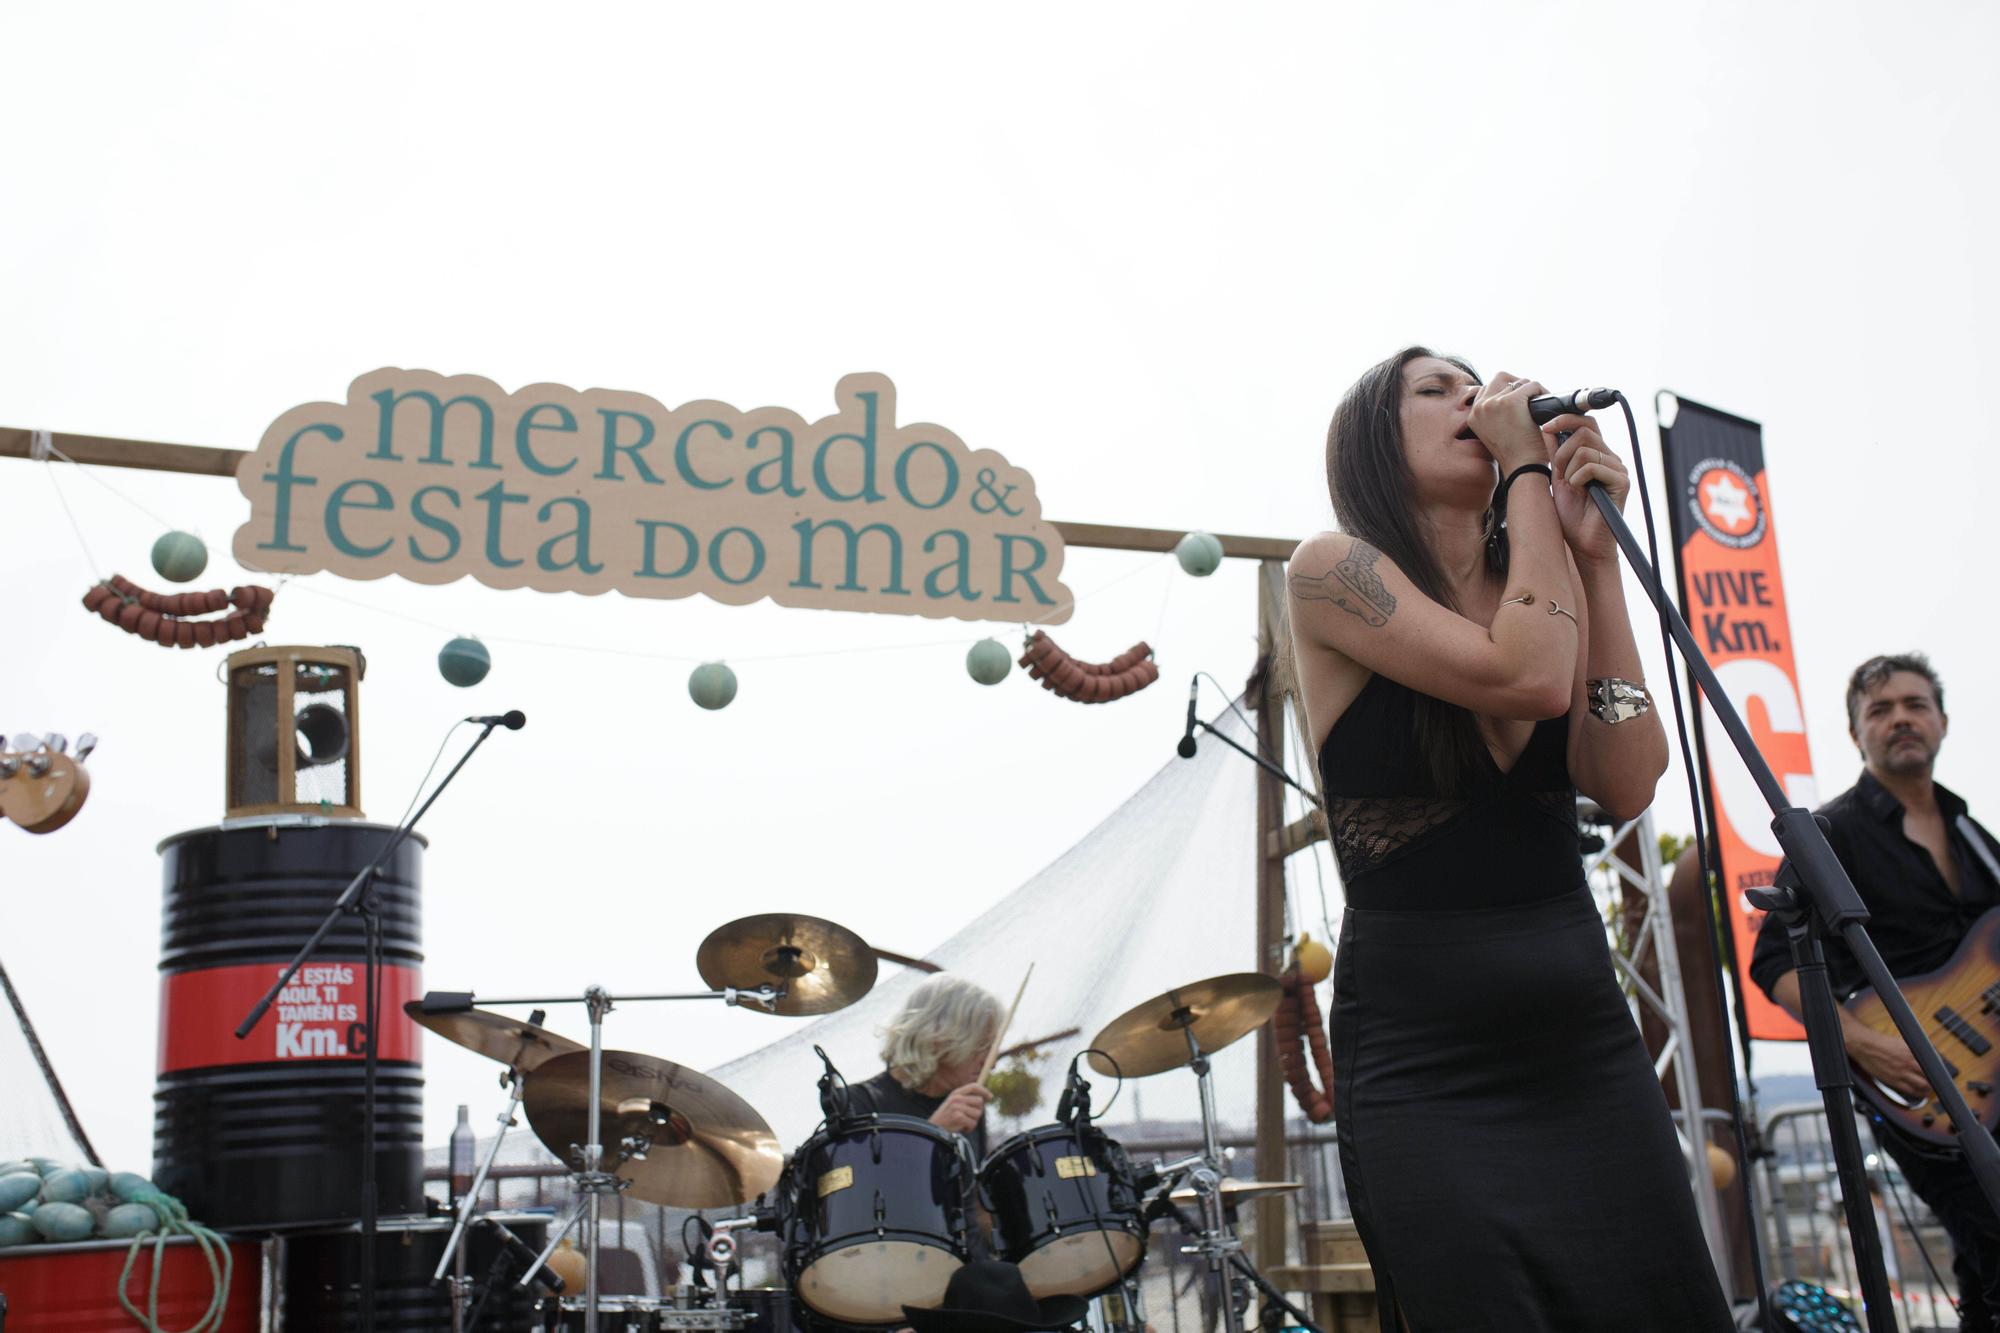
column 705, row 1146
column 823, row 966
column 1240, row 1191
column 1151, row 1037
column 511, row 1041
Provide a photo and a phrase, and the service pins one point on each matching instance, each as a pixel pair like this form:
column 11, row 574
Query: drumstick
column 993, row 1052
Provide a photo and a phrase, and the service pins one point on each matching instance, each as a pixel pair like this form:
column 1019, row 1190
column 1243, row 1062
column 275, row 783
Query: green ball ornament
column 128, row 1220
column 18, row 1189
column 1200, row 554
column 129, row 1185
column 66, row 1186
column 464, row 662
column 989, row 662
column 179, row 557
column 64, row 1221
column 712, row 685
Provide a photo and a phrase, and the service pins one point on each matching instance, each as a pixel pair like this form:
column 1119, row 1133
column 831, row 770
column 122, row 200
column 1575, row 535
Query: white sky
column 1140, row 250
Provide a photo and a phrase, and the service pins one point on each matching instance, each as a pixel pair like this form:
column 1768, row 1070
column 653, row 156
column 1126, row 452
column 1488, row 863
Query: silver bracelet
column 1613, row 700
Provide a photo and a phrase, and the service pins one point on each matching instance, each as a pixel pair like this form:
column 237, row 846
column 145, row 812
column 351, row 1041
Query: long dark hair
column 1368, row 476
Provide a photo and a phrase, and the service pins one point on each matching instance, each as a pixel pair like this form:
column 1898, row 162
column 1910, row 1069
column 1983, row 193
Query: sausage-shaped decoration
column 1088, row 682
column 169, row 619
column 1298, row 1015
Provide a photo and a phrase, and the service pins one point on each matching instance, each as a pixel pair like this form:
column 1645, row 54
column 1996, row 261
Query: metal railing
column 1803, row 1232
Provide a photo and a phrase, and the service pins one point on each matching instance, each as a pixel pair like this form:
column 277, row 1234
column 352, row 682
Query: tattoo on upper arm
column 1352, row 585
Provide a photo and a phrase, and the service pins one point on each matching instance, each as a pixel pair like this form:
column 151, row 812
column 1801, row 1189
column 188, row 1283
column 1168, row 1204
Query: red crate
column 74, row 1288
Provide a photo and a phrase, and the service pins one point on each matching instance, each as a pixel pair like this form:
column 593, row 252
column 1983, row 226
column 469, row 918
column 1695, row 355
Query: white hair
column 946, row 1020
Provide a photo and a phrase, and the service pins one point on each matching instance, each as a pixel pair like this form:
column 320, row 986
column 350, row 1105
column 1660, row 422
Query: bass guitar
column 1959, row 1007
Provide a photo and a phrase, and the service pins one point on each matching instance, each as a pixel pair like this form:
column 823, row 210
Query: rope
column 76, row 527
column 173, row 1218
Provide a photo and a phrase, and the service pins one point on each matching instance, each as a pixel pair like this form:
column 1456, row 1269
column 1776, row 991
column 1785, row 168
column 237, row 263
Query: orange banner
column 1733, row 596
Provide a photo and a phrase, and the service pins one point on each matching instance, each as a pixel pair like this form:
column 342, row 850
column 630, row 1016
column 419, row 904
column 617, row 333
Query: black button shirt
column 1915, row 919
column 883, row 1095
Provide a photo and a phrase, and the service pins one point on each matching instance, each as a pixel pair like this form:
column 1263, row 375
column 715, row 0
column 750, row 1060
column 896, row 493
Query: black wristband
column 1542, row 468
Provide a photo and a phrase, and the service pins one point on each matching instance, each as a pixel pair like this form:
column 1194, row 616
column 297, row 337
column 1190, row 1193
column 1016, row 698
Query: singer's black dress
column 1508, row 1152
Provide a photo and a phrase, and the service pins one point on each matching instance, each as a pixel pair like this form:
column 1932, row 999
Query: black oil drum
column 322, row 1276
column 266, row 1132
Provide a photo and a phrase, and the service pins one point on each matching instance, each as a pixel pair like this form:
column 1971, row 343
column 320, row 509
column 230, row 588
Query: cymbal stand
column 515, row 1081
column 593, row 1182
column 1214, row 1242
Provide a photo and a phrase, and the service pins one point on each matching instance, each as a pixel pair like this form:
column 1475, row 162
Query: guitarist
column 1906, row 843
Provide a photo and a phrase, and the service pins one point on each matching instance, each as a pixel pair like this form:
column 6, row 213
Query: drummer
column 934, row 1049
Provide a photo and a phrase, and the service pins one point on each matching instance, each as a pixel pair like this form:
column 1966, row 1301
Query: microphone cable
column 1711, row 885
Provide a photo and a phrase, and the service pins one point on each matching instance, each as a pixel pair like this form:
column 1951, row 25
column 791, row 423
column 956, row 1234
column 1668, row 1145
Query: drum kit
column 874, row 1211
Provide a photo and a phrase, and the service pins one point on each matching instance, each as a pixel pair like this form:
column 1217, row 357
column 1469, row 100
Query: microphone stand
column 1274, row 770
column 1828, row 903
column 1274, row 1300
column 359, row 898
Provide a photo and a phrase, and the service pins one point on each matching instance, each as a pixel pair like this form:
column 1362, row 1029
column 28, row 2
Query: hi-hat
column 511, row 1041
column 704, row 1146
column 1151, row 1038
column 1234, row 1192
column 822, row 966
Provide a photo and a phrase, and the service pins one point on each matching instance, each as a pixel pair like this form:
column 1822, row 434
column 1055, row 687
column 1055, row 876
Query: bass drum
column 1065, row 1208
column 878, row 1215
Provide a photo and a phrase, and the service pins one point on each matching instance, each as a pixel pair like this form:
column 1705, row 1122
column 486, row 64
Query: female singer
column 1467, row 667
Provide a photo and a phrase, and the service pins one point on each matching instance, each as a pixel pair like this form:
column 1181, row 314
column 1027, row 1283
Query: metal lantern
column 294, row 731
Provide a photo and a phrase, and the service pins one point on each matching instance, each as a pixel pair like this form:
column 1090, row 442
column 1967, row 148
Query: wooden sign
column 439, row 478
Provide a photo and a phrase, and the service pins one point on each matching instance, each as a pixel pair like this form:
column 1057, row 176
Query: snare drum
column 1065, row 1208
column 878, row 1216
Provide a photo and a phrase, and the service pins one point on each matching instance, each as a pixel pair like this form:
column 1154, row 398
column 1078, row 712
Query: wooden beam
column 1115, row 538
column 208, row 461
column 1273, row 630
column 106, row 451
column 918, row 964
column 1301, row 833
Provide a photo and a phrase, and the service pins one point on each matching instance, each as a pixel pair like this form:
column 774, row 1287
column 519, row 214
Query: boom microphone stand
column 359, row 897
column 1823, row 899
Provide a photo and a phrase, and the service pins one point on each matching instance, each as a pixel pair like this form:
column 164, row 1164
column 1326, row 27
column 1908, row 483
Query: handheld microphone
column 522, row 1254
column 513, row 719
column 1186, row 748
column 1545, row 410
